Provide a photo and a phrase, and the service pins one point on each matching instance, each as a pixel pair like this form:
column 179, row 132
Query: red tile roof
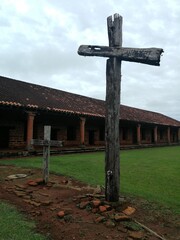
column 31, row 96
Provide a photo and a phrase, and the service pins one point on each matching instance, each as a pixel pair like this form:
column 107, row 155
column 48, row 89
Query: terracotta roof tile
column 28, row 95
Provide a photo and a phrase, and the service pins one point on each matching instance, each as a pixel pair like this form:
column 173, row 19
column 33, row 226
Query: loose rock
column 137, row 235
column 129, row 211
column 102, row 209
column 32, row 183
column 100, row 219
column 96, row 203
column 61, row 214
column 120, row 218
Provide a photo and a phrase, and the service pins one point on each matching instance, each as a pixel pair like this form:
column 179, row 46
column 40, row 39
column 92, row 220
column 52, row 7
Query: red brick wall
column 16, row 136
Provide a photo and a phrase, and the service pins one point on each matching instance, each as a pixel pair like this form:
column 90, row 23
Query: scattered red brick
column 61, row 214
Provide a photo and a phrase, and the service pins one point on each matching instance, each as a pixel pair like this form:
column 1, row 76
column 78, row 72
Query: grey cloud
column 39, row 47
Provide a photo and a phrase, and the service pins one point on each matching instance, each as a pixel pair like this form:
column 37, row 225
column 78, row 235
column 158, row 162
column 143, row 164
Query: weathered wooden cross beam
column 149, row 56
column 116, row 53
column 46, row 143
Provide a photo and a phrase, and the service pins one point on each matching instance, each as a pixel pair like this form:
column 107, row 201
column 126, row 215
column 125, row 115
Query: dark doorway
column 134, row 132
column 91, row 137
column 4, row 137
column 152, row 136
column 54, row 133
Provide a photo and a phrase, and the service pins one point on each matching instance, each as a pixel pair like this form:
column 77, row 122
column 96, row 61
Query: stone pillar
column 155, row 134
column 30, row 123
column 82, row 131
column 139, row 134
column 168, row 135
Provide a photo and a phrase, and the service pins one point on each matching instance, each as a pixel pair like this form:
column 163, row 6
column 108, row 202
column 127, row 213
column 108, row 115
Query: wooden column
column 82, row 131
column 168, row 135
column 30, row 124
column 139, row 134
column 155, row 134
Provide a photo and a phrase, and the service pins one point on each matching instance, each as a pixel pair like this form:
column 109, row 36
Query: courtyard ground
column 68, row 209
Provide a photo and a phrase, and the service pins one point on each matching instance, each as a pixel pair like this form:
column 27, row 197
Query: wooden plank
column 150, row 56
column 46, row 154
column 47, row 133
column 113, row 79
column 55, row 143
column 41, row 142
column 37, row 142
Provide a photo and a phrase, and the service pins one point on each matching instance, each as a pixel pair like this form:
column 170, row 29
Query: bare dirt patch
column 68, row 209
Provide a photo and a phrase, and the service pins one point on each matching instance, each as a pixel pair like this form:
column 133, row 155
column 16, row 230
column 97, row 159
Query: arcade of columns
column 30, row 123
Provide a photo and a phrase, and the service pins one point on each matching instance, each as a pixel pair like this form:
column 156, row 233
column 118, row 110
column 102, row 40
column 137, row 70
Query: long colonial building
column 25, row 109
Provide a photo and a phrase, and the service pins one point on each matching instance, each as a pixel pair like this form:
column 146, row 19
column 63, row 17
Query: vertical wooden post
column 113, row 80
column 46, row 153
column 139, row 134
column 82, row 131
column 155, row 134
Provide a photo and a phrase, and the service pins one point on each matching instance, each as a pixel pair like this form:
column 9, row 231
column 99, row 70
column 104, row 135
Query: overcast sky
column 39, row 41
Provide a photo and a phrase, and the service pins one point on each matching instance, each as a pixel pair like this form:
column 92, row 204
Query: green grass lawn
column 14, row 226
column 153, row 173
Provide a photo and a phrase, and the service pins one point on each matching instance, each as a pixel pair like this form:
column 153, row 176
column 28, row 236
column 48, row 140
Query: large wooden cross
column 46, row 143
column 116, row 53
